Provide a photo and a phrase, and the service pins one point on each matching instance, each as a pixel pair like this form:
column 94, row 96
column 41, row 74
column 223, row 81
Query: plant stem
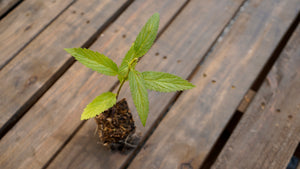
column 123, row 81
column 126, row 76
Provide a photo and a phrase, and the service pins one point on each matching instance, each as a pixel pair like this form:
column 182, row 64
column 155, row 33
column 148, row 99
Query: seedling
column 139, row 83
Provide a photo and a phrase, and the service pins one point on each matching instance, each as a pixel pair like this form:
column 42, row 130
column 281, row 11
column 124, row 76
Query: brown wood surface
column 24, row 23
column 29, row 74
column 246, row 101
column 5, row 5
column 269, row 132
column 51, row 121
column 189, row 130
column 195, row 26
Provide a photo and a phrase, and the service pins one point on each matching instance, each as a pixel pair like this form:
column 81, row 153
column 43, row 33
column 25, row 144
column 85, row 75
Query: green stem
column 126, row 76
column 123, row 81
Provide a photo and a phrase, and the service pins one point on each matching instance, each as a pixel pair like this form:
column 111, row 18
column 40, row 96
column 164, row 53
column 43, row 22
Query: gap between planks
column 9, row 5
column 16, row 24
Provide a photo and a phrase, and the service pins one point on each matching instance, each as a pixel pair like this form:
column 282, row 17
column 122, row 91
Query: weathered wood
column 246, row 101
column 189, row 130
column 178, row 51
column 269, row 132
column 24, row 23
column 33, row 70
column 6, row 5
column 51, row 121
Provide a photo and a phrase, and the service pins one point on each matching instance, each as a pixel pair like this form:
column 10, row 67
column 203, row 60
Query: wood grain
column 26, row 77
column 269, row 132
column 5, row 5
column 188, row 132
column 24, row 23
column 178, row 51
column 51, row 121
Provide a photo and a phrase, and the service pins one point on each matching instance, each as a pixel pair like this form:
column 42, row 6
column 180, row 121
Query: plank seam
column 275, row 55
column 51, row 81
column 10, row 9
column 64, row 144
column 297, row 152
column 224, row 31
column 36, row 35
column 222, row 140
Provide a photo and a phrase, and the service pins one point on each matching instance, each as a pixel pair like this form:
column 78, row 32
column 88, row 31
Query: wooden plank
column 48, row 124
column 268, row 135
column 188, row 132
column 6, row 5
column 26, row 77
column 195, row 26
column 24, row 23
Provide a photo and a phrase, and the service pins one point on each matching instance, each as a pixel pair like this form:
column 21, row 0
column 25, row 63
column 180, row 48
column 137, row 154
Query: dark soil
column 116, row 127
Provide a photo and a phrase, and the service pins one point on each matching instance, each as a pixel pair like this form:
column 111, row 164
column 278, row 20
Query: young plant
column 139, row 82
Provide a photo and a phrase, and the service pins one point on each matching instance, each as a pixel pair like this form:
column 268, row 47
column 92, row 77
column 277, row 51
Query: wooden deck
column 242, row 55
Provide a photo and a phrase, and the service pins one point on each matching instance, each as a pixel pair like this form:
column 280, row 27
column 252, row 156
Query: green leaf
column 94, row 60
column 139, row 95
column 141, row 45
column 147, row 36
column 99, row 105
column 165, row 82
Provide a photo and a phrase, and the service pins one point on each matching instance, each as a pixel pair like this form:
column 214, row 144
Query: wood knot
column 27, row 28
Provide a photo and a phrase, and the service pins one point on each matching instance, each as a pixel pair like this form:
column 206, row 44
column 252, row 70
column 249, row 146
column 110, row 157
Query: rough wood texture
column 189, row 130
column 26, row 77
column 24, row 23
column 51, row 121
column 178, row 51
column 246, row 101
column 269, row 132
column 5, row 5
